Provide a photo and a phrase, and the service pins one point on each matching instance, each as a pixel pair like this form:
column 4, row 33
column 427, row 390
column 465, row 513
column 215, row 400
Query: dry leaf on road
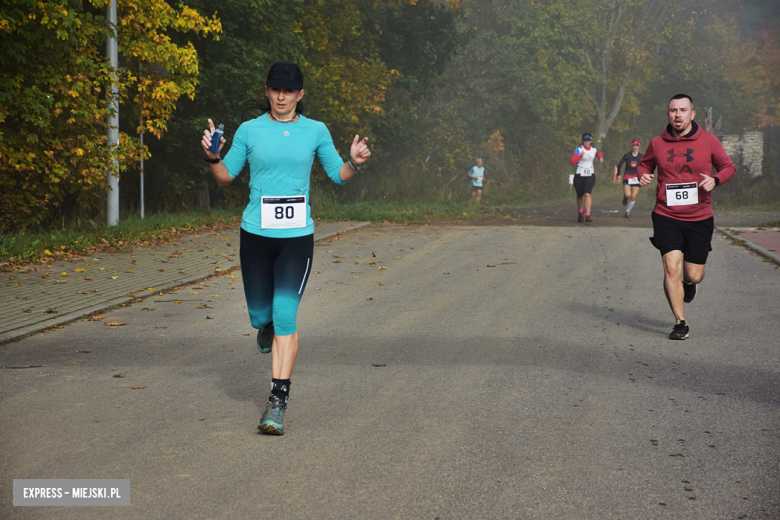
column 115, row 323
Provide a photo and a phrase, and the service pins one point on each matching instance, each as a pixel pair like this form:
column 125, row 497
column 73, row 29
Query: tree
column 53, row 79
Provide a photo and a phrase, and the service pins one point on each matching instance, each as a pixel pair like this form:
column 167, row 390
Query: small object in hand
column 216, row 139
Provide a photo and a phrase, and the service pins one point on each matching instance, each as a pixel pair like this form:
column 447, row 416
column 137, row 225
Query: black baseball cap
column 286, row 75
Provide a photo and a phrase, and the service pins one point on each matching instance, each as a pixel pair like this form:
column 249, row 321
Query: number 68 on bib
column 683, row 194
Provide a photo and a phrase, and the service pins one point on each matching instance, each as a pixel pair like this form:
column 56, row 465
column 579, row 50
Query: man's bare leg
column 673, row 280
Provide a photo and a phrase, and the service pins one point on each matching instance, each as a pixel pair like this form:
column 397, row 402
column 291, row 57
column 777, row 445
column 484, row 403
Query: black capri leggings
column 275, row 272
column 584, row 185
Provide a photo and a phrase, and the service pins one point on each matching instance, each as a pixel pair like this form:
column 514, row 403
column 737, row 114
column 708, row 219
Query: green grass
column 74, row 237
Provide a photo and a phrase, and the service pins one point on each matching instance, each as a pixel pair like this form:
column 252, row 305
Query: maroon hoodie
column 681, row 160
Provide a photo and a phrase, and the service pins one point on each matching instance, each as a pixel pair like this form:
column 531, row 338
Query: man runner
column 476, row 174
column 682, row 218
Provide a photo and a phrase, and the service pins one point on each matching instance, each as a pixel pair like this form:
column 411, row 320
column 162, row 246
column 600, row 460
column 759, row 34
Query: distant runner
column 630, row 178
column 277, row 231
column 584, row 175
column 476, row 174
column 682, row 218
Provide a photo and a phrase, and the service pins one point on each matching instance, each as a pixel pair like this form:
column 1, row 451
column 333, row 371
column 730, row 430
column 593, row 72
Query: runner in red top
column 685, row 156
column 630, row 178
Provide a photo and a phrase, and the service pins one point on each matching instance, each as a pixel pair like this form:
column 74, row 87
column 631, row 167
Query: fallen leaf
column 87, row 278
column 161, row 270
column 80, row 270
column 27, row 310
column 137, row 387
column 216, row 295
column 148, row 309
column 491, row 265
column 373, row 253
column 398, row 257
column 176, row 301
column 369, row 299
column 378, row 365
column 130, row 271
column 54, row 325
column 209, row 317
column 101, row 268
column 204, row 306
column 119, row 375
column 64, row 274
column 445, row 273
column 97, row 318
column 135, row 262
column 113, row 277
column 115, row 323
column 83, row 352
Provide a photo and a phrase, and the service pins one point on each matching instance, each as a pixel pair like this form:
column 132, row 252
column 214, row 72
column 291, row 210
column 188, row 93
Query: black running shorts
column 584, row 185
column 476, row 188
column 694, row 239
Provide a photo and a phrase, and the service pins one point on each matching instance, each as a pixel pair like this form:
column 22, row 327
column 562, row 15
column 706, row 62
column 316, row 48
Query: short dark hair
column 587, row 137
column 683, row 96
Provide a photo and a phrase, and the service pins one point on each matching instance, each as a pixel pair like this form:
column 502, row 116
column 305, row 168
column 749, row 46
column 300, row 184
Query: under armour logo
column 688, row 155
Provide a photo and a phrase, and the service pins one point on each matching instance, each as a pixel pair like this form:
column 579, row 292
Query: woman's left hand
column 359, row 150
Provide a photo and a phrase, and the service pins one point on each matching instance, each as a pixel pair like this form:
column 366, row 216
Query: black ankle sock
column 280, row 388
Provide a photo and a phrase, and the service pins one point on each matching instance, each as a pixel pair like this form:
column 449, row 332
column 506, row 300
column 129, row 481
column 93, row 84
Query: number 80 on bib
column 283, row 212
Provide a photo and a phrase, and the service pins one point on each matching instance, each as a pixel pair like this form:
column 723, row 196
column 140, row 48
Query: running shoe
column 690, row 291
column 625, row 200
column 628, row 215
column 588, row 219
column 680, row 330
column 272, row 420
column 265, row 338
column 580, row 218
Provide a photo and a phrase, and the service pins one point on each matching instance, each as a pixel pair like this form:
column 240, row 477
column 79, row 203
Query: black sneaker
column 588, row 219
column 625, row 200
column 680, row 330
column 690, row 291
column 580, row 218
column 627, row 215
column 265, row 338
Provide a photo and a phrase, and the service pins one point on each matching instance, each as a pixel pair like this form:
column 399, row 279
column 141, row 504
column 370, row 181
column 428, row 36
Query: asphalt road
column 523, row 372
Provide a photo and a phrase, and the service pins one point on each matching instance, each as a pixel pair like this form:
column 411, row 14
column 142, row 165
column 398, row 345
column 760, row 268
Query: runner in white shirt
column 584, row 175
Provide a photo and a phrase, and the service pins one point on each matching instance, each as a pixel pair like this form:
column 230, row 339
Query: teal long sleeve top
column 280, row 158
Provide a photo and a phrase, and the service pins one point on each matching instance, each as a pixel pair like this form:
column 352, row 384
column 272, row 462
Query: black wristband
column 717, row 181
column 212, row 161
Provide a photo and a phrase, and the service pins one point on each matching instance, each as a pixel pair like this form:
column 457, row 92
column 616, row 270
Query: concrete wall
column 750, row 153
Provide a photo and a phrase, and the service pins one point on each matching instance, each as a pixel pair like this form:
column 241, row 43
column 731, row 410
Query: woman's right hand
column 206, row 141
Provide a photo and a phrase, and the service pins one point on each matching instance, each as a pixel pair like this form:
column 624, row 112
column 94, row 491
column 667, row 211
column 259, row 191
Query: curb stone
column 751, row 245
column 328, row 230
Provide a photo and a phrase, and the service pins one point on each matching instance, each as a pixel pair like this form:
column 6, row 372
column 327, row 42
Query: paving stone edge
column 17, row 333
column 751, row 245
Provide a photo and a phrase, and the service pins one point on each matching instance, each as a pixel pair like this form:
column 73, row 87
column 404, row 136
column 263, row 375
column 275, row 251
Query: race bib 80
column 283, row 212
column 683, row 194
column 633, row 181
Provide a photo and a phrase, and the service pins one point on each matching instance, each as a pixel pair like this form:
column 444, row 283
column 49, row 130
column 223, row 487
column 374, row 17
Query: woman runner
column 584, row 175
column 277, row 231
column 630, row 178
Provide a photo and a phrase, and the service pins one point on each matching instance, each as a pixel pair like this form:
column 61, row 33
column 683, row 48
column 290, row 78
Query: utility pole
column 112, row 53
column 142, row 159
